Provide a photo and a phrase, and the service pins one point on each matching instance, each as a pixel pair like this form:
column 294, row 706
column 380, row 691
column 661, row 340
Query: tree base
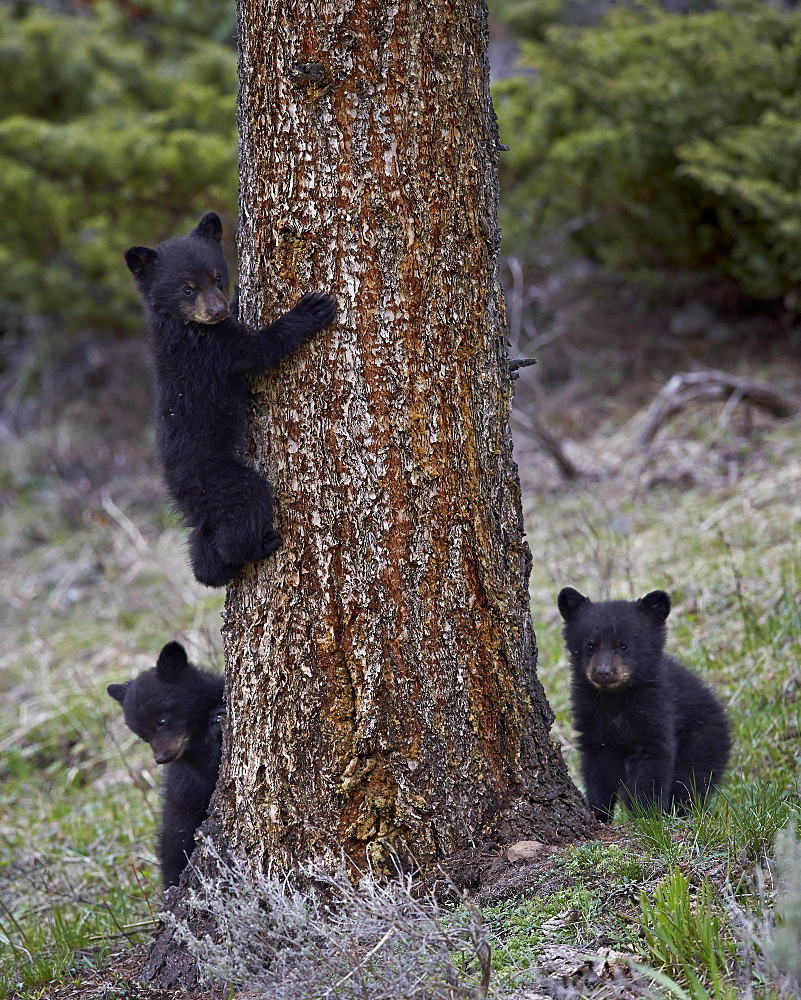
column 552, row 817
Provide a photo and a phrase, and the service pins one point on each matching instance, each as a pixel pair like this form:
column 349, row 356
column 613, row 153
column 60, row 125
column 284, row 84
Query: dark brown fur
column 203, row 358
column 649, row 731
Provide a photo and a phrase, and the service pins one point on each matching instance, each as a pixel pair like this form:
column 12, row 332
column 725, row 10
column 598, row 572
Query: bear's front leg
column 648, row 779
column 602, row 768
column 272, row 344
column 176, row 839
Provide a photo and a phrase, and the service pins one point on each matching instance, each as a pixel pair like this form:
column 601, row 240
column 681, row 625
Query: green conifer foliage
column 115, row 129
column 662, row 141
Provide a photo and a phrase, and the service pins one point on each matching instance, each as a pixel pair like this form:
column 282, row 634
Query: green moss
column 617, row 864
column 522, row 927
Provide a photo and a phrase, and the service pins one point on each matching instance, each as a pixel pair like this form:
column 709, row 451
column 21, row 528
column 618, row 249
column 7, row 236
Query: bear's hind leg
column 702, row 757
column 243, row 530
column 648, row 779
column 691, row 785
column 209, row 566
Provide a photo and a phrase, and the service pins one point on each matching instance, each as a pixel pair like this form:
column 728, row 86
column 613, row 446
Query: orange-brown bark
column 382, row 689
column 381, row 666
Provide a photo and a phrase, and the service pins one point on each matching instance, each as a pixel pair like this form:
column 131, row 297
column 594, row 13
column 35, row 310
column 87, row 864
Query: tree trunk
column 381, row 667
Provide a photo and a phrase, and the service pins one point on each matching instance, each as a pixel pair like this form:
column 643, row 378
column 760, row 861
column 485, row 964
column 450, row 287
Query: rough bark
column 381, row 667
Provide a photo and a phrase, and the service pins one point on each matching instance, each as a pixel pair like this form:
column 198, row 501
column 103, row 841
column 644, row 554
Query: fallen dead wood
column 710, row 385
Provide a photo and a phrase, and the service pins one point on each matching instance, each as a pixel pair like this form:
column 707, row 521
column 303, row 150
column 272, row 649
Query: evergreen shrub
column 662, row 142
column 113, row 132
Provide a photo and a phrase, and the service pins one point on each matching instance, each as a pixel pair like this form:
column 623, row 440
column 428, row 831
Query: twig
column 369, row 955
column 550, row 443
column 517, row 363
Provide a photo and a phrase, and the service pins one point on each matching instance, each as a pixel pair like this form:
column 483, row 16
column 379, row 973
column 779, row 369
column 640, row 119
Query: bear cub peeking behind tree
column 202, row 358
column 649, row 732
column 176, row 708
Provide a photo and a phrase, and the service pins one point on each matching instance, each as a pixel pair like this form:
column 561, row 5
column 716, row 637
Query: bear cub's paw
column 270, row 542
column 315, row 309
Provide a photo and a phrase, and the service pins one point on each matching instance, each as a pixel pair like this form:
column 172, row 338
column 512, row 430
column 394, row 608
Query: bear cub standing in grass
column 202, row 357
column 649, row 732
column 176, row 708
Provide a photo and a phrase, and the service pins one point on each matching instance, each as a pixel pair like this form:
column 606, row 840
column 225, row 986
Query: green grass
column 688, row 937
column 85, row 606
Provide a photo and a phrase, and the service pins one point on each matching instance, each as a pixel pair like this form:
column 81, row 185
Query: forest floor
column 708, row 507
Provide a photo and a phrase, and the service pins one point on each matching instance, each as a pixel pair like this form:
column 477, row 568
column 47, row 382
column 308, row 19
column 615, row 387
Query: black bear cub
column 176, row 708
column 202, row 357
column 649, row 732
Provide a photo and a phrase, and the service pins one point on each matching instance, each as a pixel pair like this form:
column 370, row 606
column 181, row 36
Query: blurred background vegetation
column 117, row 127
column 659, row 142
column 662, row 143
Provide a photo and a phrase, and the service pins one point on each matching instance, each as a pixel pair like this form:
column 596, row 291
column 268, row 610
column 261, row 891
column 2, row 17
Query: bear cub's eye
column 218, row 281
column 590, row 647
column 623, row 647
column 161, row 723
column 188, row 290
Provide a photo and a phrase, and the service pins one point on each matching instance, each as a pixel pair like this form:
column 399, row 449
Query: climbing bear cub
column 648, row 730
column 202, row 357
column 176, row 708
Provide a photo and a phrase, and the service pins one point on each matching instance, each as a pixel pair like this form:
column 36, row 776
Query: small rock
column 524, row 850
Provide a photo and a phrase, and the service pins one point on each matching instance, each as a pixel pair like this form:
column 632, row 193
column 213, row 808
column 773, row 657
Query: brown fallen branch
column 709, row 385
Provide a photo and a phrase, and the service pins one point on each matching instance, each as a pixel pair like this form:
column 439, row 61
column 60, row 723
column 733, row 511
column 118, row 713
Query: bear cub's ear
column 140, row 260
column 210, row 227
column 117, row 691
column 172, row 662
column 656, row 605
column 570, row 601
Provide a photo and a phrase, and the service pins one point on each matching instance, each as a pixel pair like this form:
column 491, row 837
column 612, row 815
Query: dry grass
column 374, row 940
